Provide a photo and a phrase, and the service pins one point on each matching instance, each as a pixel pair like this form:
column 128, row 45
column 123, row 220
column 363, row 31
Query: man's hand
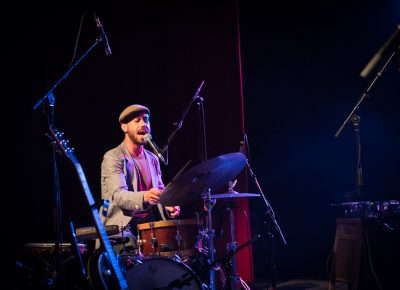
column 152, row 196
column 173, row 211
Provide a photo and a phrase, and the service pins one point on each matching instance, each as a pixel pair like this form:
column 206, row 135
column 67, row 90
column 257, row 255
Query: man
column 131, row 183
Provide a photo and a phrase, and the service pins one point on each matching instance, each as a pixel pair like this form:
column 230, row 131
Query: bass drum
column 99, row 270
column 157, row 272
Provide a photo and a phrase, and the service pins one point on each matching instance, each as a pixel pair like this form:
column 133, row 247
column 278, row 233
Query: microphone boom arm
column 50, row 94
column 179, row 124
column 365, row 94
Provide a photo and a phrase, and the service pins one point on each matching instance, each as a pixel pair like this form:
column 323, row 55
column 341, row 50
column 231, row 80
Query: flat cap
column 131, row 112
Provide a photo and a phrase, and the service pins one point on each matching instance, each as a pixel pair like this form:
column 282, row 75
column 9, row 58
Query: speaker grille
column 347, row 251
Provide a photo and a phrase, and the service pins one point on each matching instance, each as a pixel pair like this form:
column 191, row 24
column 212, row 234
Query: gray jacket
column 119, row 185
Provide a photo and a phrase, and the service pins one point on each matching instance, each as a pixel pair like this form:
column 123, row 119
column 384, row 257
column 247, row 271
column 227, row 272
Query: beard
column 137, row 139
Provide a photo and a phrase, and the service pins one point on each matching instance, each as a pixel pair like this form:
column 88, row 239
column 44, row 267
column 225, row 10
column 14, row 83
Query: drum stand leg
column 229, row 260
column 208, row 204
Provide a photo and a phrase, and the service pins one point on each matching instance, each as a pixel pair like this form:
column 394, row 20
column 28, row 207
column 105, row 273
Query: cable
column 244, row 285
column 370, row 259
column 327, row 268
column 77, row 38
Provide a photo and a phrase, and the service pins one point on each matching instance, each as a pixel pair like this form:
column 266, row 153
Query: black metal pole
column 59, row 259
column 203, row 129
column 355, row 119
column 58, row 223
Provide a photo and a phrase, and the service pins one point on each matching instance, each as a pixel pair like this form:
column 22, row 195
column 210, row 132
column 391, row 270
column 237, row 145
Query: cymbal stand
column 208, row 205
column 232, row 246
column 227, row 258
column 234, row 278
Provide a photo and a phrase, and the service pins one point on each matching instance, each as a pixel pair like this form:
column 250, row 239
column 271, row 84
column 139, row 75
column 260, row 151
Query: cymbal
column 234, row 194
column 213, row 173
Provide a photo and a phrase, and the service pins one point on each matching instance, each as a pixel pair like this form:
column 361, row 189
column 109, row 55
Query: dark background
column 301, row 64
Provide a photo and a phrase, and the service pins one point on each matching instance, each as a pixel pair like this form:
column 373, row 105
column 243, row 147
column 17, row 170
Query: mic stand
column 364, row 94
column 270, row 211
column 49, row 96
column 200, row 102
column 271, row 214
column 355, row 119
column 179, row 124
column 59, row 260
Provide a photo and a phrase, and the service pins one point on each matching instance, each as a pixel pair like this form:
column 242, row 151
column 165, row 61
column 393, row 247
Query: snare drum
column 168, row 238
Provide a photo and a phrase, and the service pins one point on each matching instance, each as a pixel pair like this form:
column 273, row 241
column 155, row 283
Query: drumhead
column 161, row 273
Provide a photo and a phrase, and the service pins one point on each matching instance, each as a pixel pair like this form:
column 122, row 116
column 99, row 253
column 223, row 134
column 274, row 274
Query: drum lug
column 153, row 242
column 178, row 238
column 168, row 237
column 153, row 239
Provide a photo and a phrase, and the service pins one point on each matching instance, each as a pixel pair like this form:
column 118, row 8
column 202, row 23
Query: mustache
column 144, row 130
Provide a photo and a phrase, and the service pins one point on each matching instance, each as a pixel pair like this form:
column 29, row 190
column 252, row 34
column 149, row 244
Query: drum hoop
column 183, row 253
column 167, row 223
column 151, row 258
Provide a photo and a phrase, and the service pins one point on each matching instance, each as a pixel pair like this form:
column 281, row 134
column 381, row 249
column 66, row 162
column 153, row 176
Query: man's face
column 137, row 128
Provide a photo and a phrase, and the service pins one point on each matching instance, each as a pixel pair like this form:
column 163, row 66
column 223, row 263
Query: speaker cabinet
column 347, row 250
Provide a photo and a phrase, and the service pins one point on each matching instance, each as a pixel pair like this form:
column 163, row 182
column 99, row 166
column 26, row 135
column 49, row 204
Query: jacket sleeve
column 114, row 186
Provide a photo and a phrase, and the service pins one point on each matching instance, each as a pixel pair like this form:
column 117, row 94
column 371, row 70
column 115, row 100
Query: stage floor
column 299, row 284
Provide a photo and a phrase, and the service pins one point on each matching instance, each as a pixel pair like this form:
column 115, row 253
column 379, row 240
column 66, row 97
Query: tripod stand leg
column 77, row 251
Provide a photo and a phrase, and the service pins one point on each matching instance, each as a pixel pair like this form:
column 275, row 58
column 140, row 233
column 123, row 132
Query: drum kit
column 179, row 253
column 175, row 253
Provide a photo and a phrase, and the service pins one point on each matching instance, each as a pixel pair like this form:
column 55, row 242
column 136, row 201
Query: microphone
column 196, row 95
column 392, row 44
column 241, row 148
column 103, row 36
column 154, row 147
